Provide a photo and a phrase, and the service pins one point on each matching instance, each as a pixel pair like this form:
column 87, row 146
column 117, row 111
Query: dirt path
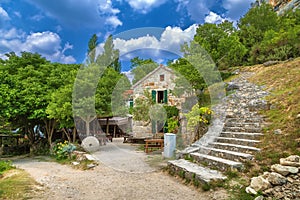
column 115, row 179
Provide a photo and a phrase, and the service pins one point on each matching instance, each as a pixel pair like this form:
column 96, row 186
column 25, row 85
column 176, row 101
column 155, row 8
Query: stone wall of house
column 153, row 82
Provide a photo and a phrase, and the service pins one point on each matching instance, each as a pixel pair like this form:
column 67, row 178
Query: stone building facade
column 160, row 83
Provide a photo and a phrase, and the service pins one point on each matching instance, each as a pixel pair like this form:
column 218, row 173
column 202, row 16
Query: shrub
column 63, row 150
column 5, row 165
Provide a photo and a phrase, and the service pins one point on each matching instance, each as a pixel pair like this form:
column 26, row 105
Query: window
column 160, row 96
column 162, row 77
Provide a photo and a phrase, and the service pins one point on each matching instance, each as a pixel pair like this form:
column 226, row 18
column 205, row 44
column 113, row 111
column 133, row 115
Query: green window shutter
column 154, row 96
column 153, row 126
column 131, row 104
column 166, row 96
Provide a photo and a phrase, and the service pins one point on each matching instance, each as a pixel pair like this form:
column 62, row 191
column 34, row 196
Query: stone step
column 242, row 129
column 244, row 142
column 226, row 154
column 194, row 172
column 241, row 116
column 243, row 120
column 216, row 162
column 235, row 147
column 241, row 135
column 242, row 124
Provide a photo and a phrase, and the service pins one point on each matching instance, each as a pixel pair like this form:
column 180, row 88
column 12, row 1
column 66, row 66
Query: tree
column 110, row 56
column 60, row 105
column 92, row 45
column 255, row 23
column 222, row 43
column 141, row 67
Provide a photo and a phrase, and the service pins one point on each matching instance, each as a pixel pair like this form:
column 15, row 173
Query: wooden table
column 153, row 143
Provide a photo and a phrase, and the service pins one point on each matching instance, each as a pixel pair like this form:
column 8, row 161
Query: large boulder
column 275, row 178
column 284, row 170
column 293, row 161
column 259, row 183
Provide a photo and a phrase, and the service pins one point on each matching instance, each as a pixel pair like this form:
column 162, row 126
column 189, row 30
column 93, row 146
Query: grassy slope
column 283, row 82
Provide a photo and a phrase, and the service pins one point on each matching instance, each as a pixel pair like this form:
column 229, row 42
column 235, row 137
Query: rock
column 271, row 62
column 75, row 163
column 232, row 86
column 259, row 198
column 275, row 178
column 277, row 132
column 293, row 161
column 236, row 72
column 90, row 166
column 273, row 107
column 250, row 190
column 89, row 157
column 284, row 170
column 259, row 183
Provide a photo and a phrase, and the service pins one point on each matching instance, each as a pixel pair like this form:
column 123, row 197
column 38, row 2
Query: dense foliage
column 36, row 95
column 260, row 36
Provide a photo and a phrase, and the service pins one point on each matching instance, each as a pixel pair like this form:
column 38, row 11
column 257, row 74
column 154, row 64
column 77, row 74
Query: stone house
column 160, row 83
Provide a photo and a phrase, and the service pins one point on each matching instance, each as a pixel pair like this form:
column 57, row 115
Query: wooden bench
column 151, row 144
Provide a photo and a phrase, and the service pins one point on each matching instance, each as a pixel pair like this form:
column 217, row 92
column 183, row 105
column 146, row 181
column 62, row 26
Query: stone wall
column 283, row 182
column 153, row 82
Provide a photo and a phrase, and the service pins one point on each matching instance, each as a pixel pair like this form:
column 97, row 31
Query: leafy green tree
column 196, row 71
column 222, row 43
column 141, row 67
column 110, row 56
column 60, row 105
column 255, row 23
column 92, row 45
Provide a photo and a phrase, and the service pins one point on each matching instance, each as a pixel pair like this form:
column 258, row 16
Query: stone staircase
column 231, row 140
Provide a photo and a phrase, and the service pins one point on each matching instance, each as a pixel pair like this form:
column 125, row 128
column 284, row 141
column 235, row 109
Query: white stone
column 259, row 198
column 277, row 132
column 250, row 190
column 290, row 161
column 90, row 157
column 284, row 170
column 275, row 178
column 259, row 183
column 75, row 163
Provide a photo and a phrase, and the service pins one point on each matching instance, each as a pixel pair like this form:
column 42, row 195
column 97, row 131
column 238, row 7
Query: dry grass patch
column 17, row 184
column 283, row 83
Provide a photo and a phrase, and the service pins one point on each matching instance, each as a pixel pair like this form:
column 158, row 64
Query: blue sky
column 60, row 29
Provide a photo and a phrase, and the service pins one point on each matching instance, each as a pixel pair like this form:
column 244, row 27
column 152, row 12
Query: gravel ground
column 122, row 173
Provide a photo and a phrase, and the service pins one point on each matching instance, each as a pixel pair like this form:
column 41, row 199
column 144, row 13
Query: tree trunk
column 74, row 135
column 67, row 134
column 50, row 126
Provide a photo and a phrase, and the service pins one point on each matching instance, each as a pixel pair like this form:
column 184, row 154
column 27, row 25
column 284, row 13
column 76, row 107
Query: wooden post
column 107, row 125
column 115, row 126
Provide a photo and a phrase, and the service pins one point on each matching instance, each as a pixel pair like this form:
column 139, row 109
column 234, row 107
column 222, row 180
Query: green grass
column 16, row 184
column 5, row 166
column 283, row 81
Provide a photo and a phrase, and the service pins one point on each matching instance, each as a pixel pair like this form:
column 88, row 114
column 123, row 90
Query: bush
column 63, row 150
column 5, row 165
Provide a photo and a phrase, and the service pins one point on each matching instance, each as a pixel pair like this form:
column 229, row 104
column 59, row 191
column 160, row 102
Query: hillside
column 282, row 132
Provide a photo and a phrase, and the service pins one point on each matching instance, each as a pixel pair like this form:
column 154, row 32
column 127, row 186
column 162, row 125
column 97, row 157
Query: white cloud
column 198, row 10
column 213, row 18
column 236, row 8
column 48, row 44
column 170, row 40
column 3, row 14
column 113, row 21
column 78, row 14
column 37, row 17
column 3, row 17
column 144, row 6
column 18, row 14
